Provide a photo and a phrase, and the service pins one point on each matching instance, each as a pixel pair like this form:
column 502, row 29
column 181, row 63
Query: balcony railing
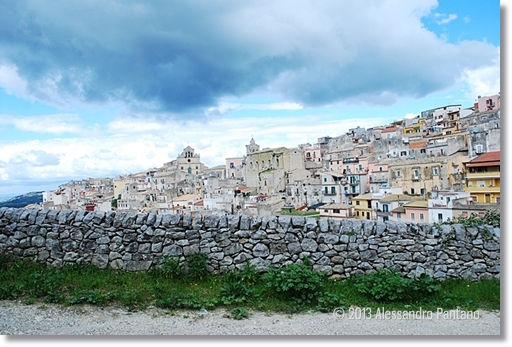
column 350, row 160
column 416, row 177
column 378, row 180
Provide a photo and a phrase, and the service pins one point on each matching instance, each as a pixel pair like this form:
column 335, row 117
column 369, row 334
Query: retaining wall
column 339, row 248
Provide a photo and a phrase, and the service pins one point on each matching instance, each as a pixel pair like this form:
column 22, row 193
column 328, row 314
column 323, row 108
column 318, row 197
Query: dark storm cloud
column 181, row 56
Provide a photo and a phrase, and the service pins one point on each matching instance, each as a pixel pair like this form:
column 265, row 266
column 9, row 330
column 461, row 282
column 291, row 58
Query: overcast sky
column 100, row 88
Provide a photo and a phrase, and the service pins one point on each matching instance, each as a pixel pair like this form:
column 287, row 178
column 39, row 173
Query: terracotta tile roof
column 418, row 144
column 389, row 129
column 486, row 157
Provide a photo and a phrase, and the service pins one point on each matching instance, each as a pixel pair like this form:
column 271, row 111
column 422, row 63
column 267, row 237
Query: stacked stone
column 339, row 248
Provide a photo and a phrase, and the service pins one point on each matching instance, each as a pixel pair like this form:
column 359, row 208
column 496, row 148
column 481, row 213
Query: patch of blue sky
column 9, row 133
column 13, row 105
column 459, row 20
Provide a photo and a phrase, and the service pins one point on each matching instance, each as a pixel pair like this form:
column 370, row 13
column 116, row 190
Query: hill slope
column 23, row 200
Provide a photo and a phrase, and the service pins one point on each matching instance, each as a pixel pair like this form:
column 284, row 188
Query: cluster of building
column 441, row 164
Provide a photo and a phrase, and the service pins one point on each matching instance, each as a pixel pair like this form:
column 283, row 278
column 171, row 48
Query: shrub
column 296, row 282
column 389, row 286
column 196, row 265
column 170, row 268
column 327, row 302
column 235, row 293
column 239, row 312
column 491, row 217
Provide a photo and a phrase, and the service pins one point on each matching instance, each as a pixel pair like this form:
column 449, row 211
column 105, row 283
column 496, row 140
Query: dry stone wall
column 339, row 248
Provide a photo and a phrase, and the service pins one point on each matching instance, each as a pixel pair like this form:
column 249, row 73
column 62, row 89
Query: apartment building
column 483, row 178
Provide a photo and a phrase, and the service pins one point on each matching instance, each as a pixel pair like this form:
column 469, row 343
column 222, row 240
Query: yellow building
column 483, row 178
column 415, row 128
column 363, row 206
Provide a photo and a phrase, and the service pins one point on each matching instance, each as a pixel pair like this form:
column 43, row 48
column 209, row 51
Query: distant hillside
column 23, row 200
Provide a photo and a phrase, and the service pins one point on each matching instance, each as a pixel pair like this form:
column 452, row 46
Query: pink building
column 234, row 167
column 488, row 103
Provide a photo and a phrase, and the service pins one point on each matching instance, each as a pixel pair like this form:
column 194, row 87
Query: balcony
column 379, row 213
column 477, row 175
column 378, row 180
column 350, row 160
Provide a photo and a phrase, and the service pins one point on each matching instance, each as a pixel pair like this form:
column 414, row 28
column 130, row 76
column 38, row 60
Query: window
column 326, row 190
column 399, row 215
column 336, row 211
column 357, row 202
column 380, row 168
column 435, row 171
column 413, row 191
column 480, row 184
column 333, row 190
column 325, row 179
column 422, row 191
column 412, row 216
column 422, row 218
column 439, row 217
column 398, row 173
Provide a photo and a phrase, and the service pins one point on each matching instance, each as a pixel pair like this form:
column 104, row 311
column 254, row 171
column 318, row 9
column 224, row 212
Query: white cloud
column 122, row 126
column 483, row 81
column 442, row 18
column 225, row 107
column 12, row 83
column 50, row 124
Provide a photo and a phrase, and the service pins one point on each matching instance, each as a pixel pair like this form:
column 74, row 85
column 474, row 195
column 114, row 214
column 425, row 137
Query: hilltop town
column 439, row 165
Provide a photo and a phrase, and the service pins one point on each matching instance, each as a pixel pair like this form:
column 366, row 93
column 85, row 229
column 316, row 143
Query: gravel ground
column 43, row 319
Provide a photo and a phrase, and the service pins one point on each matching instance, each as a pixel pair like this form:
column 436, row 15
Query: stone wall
column 340, row 248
